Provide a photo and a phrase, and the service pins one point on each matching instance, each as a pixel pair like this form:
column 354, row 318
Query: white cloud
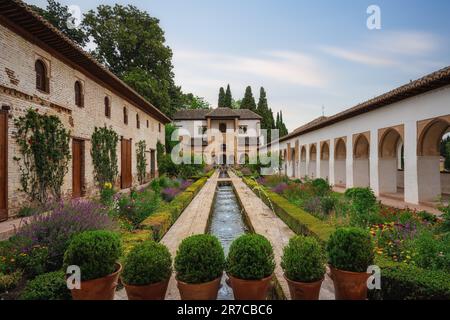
column 389, row 49
column 279, row 66
column 357, row 56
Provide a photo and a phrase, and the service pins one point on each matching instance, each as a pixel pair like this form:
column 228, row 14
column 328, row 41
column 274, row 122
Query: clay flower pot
column 98, row 289
column 250, row 289
column 349, row 285
column 304, row 290
column 201, row 291
column 154, row 291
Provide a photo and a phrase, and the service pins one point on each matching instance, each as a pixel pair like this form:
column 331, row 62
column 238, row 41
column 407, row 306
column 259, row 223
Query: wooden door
column 126, row 175
column 3, row 165
column 77, row 168
column 152, row 164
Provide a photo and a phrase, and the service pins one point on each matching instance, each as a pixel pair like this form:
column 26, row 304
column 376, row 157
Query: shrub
column 137, row 206
column 350, row 249
column 55, row 229
column 107, row 193
column 445, row 224
column 48, row 286
column 364, row 208
column 8, row 252
column 168, row 194
column 95, row 252
column 104, row 155
column 251, row 257
column 327, row 204
column 33, row 261
column 321, row 187
column 9, row 281
column 280, row 188
column 431, row 252
column 303, row 260
column 199, row 259
column 147, row 263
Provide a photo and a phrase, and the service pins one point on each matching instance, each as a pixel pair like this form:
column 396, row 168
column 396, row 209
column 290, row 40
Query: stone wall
column 18, row 93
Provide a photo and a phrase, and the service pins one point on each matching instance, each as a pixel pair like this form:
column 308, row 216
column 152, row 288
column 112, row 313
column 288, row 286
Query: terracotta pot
column 154, row 291
column 98, row 289
column 349, row 285
column 250, row 289
column 304, row 290
column 202, row 291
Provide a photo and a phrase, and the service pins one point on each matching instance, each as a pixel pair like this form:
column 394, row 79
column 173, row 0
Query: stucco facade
column 364, row 150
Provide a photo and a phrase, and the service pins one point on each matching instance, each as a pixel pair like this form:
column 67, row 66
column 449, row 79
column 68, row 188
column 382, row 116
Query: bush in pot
column 199, row 266
column 303, row 262
column 96, row 253
column 250, row 266
column 350, row 253
column 146, row 272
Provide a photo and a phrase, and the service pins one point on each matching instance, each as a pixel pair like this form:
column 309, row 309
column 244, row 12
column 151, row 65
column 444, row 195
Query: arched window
column 42, row 82
column 79, row 96
column 107, row 108
column 138, row 123
column 125, row 115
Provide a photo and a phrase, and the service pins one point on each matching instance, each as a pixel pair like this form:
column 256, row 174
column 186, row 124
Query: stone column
column 331, row 163
column 411, row 163
column 373, row 162
column 349, row 162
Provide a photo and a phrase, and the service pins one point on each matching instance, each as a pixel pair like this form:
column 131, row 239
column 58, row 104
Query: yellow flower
column 108, row 185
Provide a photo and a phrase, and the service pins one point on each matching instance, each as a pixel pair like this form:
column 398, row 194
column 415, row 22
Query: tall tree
column 249, row 101
column 264, row 111
column 59, row 16
column 221, row 103
column 282, row 127
column 228, row 98
column 132, row 45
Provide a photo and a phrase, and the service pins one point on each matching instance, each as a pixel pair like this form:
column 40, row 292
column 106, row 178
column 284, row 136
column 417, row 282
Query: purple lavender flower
column 168, row 194
column 280, row 188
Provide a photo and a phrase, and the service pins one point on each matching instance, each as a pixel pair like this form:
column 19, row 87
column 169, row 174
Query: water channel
column 227, row 223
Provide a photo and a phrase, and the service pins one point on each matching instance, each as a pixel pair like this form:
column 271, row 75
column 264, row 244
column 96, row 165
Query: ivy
column 104, row 155
column 141, row 159
column 43, row 143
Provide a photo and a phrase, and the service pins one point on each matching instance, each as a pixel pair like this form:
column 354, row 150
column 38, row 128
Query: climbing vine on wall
column 43, row 144
column 104, row 155
column 141, row 159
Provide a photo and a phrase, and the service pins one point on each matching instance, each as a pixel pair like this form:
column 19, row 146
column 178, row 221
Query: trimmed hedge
column 296, row 218
column 398, row 281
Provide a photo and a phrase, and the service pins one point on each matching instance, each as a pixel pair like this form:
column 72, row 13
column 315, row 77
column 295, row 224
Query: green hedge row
column 398, row 281
column 157, row 225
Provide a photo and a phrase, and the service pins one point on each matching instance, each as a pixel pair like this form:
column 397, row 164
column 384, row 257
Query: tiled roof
column 27, row 23
column 435, row 80
column 202, row 114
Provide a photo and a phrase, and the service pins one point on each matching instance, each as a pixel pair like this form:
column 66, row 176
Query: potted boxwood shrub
column 250, row 266
column 350, row 253
column 146, row 271
column 199, row 266
column 96, row 253
column 304, row 266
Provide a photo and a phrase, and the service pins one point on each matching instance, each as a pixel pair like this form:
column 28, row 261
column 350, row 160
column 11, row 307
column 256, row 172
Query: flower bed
column 412, row 248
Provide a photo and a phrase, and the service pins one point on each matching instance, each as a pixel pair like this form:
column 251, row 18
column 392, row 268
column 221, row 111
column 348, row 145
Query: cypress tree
column 283, row 128
column 228, row 98
column 221, row 103
column 249, row 101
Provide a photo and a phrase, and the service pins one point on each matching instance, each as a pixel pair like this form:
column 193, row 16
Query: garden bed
column 401, row 279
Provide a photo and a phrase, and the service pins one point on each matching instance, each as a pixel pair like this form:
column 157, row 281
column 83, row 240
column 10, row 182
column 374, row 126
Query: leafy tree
column 104, row 155
column 43, row 144
column 236, row 104
column 191, row 101
column 169, row 129
column 228, row 98
column 263, row 110
column 221, row 103
column 58, row 15
column 249, row 101
column 141, row 160
column 132, row 45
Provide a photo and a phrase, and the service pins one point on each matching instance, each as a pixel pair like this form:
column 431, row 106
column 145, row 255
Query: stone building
column 40, row 68
column 222, row 135
column 389, row 143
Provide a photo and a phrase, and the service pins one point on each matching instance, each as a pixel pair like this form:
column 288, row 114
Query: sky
column 312, row 57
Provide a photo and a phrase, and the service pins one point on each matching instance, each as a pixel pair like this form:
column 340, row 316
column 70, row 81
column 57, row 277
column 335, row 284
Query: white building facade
column 221, row 136
column 390, row 143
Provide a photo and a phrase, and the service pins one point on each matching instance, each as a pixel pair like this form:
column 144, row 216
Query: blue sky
column 307, row 54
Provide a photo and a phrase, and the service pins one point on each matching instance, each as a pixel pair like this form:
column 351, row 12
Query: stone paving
column 265, row 222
